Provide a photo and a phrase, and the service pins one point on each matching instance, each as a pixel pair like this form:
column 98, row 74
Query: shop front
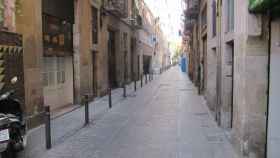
column 58, row 63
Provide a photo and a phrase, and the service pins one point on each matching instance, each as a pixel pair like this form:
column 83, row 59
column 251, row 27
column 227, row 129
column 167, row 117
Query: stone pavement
column 165, row 119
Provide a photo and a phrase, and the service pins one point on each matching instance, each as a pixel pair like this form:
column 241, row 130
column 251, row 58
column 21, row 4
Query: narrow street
column 165, row 119
column 139, row 78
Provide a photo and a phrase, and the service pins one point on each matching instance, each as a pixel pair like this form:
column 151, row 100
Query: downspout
column 268, row 73
column 219, row 63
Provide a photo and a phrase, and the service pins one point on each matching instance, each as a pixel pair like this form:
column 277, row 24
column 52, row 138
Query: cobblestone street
column 165, row 119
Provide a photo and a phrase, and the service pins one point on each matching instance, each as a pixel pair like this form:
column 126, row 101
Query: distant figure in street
column 146, row 69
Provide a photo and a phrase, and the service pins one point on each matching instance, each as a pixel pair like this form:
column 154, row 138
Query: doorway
column 58, row 71
column 132, row 57
column 112, row 75
column 138, row 67
column 229, row 82
column 146, row 64
column 94, row 75
column 204, row 65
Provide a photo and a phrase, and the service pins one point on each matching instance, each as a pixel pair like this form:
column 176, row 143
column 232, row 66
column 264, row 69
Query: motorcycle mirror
column 14, row 80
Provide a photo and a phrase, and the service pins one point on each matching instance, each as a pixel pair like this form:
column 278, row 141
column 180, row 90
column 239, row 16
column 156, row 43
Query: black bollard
column 141, row 81
column 135, row 83
column 124, row 90
column 110, row 97
column 48, row 127
column 86, row 97
column 146, row 79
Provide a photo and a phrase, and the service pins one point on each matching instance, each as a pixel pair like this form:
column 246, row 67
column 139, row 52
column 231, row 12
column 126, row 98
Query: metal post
column 146, row 78
column 48, row 127
column 86, row 97
column 141, row 80
column 135, row 83
column 125, row 74
column 124, row 90
column 110, row 97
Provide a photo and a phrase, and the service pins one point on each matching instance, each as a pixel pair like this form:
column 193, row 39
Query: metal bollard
column 48, row 127
column 141, row 81
column 135, row 84
column 146, row 78
column 110, row 97
column 86, row 97
column 124, row 90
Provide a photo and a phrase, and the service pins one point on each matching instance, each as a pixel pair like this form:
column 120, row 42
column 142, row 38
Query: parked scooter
column 12, row 125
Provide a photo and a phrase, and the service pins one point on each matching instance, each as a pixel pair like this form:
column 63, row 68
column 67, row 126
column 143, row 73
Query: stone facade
column 236, row 70
column 90, row 58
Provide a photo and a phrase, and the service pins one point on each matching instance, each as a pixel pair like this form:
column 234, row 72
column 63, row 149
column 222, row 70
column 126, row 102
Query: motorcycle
column 12, row 125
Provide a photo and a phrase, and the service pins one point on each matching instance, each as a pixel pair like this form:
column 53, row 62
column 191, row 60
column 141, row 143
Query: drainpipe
column 219, row 61
column 268, row 73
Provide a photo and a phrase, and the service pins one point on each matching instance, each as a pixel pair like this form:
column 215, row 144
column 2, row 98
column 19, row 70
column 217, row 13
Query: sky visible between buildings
column 170, row 13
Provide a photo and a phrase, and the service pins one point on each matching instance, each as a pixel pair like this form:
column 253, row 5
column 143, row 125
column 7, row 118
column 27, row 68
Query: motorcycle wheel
column 9, row 153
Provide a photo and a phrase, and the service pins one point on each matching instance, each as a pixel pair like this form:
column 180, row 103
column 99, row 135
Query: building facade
column 229, row 58
column 71, row 49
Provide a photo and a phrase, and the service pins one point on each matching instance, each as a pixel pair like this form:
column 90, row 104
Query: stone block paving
column 164, row 119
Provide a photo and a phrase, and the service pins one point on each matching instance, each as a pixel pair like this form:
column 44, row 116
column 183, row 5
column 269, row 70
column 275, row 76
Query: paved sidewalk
column 75, row 119
column 164, row 119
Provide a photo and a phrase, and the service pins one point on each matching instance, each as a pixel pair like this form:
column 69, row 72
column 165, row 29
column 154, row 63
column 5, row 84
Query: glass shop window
column 54, row 71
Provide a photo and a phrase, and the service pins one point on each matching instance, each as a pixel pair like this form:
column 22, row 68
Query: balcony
column 193, row 9
column 189, row 23
column 138, row 23
column 117, row 7
column 193, row 3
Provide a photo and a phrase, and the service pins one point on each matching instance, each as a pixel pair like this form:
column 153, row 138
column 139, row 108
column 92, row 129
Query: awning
column 261, row 6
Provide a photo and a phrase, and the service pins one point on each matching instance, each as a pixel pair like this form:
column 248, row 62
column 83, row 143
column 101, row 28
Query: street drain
column 164, row 85
column 205, row 126
column 201, row 114
column 214, row 139
column 185, row 89
column 132, row 95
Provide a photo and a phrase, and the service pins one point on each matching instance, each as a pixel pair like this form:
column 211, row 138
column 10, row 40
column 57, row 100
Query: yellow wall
column 82, row 49
column 29, row 24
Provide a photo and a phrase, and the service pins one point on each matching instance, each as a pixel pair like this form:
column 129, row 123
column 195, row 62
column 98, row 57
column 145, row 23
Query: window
column 54, row 71
column 125, row 41
column 60, row 70
column 94, row 12
column 204, row 18
column 214, row 18
column 230, row 15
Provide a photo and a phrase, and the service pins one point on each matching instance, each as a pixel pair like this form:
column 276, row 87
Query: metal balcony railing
column 193, row 9
column 192, row 4
column 138, row 23
column 117, row 7
column 189, row 23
